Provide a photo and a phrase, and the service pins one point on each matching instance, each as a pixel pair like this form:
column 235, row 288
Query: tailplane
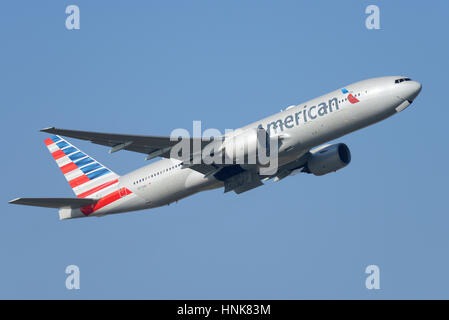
column 87, row 177
column 69, row 208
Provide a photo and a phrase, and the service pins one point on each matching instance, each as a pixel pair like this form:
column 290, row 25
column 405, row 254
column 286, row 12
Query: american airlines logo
column 350, row 97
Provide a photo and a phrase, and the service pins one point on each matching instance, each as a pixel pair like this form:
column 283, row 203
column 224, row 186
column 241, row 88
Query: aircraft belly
column 176, row 186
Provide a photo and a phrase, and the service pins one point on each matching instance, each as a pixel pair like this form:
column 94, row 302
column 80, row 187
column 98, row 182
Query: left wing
column 234, row 176
column 153, row 146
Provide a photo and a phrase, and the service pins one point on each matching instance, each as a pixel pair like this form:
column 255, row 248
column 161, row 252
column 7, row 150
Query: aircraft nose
column 413, row 89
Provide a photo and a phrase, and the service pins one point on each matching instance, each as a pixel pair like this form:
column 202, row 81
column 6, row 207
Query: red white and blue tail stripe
column 87, row 177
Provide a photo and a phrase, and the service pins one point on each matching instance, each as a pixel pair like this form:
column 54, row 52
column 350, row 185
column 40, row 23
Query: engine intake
column 329, row 159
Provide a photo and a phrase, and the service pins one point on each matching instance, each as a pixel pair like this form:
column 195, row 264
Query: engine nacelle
column 244, row 146
column 329, row 159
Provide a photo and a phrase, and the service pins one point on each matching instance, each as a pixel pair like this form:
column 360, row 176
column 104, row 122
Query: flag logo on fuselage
column 352, row 99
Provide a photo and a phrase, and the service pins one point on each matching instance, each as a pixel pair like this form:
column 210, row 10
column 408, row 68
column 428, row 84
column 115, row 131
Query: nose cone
column 412, row 90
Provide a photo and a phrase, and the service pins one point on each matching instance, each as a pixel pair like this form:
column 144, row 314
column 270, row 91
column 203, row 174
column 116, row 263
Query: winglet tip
column 13, row 201
column 48, row 129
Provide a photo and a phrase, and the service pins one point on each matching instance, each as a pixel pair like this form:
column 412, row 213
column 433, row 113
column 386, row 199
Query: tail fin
column 86, row 176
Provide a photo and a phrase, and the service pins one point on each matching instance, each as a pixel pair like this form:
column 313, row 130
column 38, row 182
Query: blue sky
column 148, row 67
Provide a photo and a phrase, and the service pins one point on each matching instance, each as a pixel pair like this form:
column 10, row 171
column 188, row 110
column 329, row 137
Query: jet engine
column 241, row 145
column 328, row 159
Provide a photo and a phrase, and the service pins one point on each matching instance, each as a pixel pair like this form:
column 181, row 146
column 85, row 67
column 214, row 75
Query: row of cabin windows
column 153, row 175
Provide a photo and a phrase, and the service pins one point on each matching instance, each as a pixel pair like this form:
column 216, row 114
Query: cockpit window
column 402, row 79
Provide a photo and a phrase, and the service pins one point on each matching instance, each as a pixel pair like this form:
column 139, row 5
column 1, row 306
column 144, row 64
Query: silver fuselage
column 302, row 128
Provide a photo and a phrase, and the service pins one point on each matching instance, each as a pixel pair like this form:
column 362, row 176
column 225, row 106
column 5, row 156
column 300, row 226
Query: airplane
column 299, row 131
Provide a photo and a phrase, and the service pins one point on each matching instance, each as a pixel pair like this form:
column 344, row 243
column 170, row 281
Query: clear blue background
column 148, row 67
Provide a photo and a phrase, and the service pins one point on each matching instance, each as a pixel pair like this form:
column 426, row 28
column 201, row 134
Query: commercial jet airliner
column 299, row 131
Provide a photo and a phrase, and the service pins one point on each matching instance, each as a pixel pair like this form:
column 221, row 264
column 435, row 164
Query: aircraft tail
column 87, row 177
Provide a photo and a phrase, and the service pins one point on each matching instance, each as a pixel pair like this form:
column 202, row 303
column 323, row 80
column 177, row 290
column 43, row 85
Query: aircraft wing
column 55, row 202
column 159, row 146
column 153, row 146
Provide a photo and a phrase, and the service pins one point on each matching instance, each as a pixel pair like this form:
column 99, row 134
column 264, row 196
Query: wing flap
column 55, row 202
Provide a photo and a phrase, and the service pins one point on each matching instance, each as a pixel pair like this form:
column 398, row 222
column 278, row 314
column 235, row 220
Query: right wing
column 55, row 202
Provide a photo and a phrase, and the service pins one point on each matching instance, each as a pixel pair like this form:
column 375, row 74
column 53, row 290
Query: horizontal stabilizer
column 55, row 202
